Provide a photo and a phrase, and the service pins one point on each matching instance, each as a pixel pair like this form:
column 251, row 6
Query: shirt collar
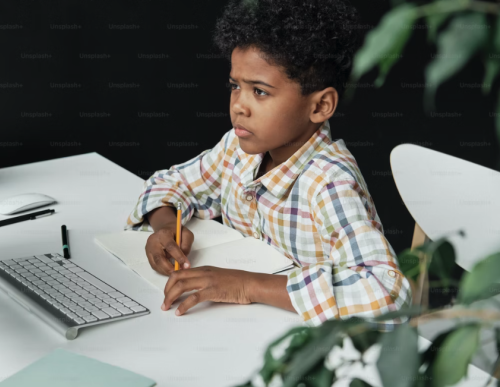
column 279, row 179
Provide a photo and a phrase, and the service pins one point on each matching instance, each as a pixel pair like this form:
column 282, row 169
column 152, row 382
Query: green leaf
column 491, row 58
column 453, row 357
column 482, row 282
column 399, row 352
column 434, row 21
column 383, row 44
column 320, row 376
column 359, row 383
column 443, row 261
column 364, row 340
column 326, row 336
column 413, row 310
column 497, row 340
column 299, row 336
column 409, row 263
column 455, row 46
column 497, row 119
column 429, row 355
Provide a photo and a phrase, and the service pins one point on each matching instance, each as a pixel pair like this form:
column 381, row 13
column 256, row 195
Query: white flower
column 279, row 349
column 258, row 381
column 276, row 381
column 333, row 359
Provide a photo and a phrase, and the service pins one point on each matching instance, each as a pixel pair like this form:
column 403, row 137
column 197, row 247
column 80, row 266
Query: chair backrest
column 419, row 238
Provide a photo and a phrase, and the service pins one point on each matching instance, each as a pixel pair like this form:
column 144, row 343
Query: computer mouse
column 24, row 202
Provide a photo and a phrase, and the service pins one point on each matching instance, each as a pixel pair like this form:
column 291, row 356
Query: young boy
column 277, row 175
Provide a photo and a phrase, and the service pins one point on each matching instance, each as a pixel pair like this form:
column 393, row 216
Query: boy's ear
column 324, row 104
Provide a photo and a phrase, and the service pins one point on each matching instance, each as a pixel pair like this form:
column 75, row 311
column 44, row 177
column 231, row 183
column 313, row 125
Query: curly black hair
column 314, row 41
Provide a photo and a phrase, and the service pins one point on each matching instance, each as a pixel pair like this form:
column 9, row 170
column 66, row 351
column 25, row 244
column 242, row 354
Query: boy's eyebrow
column 253, row 82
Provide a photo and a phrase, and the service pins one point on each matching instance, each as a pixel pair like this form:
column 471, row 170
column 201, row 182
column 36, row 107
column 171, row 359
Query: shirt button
column 392, row 273
column 256, row 235
column 249, row 197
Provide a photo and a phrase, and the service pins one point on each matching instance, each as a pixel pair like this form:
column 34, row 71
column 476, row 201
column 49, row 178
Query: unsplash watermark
column 93, row 56
column 94, row 114
column 36, row 114
column 152, row 114
column 123, row 143
column 387, row 114
column 63, row 144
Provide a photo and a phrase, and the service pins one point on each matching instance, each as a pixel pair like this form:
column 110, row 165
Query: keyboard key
column 100, row 315
column 79, row 320
column 44, row 259
column 123, row 299
column 90, row 318
column 101, row 305
column 82, row 313
column 96, row 292
column 21, row 259
column 10, row 262
column 112, row 312
column 116, row 305
column 124, row 310
column 75, row 269
column 137, row 308
column 95, row 282
column 115, row 294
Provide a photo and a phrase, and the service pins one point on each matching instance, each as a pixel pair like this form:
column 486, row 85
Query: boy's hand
column 212, row 283
column 162, row 246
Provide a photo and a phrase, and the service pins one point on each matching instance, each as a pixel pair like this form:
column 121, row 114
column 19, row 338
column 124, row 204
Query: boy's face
column 278, row 116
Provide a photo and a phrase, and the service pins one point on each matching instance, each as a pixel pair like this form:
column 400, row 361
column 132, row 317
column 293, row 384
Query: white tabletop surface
column 213, row 345
column 444, row 194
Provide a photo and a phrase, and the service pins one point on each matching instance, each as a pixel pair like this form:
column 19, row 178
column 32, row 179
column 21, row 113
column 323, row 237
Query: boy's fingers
column 176, row 252
column 186, row 243
column 159, row 262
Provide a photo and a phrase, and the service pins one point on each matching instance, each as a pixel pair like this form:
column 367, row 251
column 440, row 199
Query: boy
column 277, row 175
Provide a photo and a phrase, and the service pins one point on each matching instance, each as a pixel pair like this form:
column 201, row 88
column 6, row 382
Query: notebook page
column 129, row 246
column 247, row 254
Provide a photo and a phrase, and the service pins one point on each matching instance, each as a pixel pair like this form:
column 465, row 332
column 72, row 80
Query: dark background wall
column 139, row 83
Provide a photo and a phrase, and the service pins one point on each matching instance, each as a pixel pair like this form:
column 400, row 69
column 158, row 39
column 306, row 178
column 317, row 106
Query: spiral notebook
column 214, row 245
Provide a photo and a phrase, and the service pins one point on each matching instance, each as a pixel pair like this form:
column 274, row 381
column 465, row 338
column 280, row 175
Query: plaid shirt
column 314, row 208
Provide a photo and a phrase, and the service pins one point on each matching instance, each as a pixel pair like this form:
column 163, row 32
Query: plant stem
column 455, row 313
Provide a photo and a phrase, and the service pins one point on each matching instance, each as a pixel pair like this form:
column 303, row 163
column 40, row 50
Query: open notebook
column 214, row 245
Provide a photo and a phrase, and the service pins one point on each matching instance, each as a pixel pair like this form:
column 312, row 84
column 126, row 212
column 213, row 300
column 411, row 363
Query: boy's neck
column 280, row 155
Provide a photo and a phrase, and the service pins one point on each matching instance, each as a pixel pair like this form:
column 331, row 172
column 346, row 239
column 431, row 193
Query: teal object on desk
column 63, row 368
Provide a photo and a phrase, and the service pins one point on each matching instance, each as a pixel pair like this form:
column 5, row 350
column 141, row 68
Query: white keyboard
column 63, row 294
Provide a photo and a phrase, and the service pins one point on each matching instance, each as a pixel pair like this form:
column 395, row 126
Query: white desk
column 213, row 345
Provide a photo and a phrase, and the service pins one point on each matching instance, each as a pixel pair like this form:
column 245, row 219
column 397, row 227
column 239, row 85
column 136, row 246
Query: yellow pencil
column 178, row 235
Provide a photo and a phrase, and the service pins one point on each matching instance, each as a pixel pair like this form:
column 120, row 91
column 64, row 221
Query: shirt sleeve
column 361, row 275
column 196, row 183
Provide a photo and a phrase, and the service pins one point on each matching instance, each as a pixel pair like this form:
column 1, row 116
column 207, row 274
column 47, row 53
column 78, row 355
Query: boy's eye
column 255, row 88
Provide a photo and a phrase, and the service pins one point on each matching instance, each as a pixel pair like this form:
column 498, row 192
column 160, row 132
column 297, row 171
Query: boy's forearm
column 161, row 216
column 270, row 289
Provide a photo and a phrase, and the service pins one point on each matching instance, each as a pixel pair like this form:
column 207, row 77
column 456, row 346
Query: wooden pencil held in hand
column 178, row 234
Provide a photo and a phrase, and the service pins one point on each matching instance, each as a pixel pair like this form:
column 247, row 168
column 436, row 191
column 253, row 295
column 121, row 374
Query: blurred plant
column 459, row 28
column 332, row 352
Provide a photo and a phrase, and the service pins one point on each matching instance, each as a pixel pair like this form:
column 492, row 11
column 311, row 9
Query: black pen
column 64, row 234
column 32, row 216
